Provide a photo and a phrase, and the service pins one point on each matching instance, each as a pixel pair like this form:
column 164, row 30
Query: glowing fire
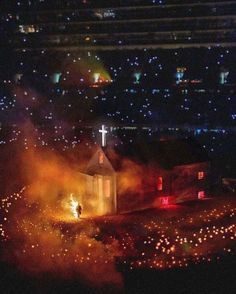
column 73, row 206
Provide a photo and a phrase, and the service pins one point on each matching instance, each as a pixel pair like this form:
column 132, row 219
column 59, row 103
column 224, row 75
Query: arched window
column 100, row 158
column 107, row 188
column 201, row 195
column 201, row 175
column 159, row 183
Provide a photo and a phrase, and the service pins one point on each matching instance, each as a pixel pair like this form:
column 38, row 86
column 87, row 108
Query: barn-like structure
column 169, row 171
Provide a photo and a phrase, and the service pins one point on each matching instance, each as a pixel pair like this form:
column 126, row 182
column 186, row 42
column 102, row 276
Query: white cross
column 103, row 132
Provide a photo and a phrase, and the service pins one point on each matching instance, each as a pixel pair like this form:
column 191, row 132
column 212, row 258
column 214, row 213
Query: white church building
column 100, row 194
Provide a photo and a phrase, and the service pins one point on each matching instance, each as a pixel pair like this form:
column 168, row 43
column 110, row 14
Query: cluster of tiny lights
column 148, row 96
column 186, row 100
column 78, row 76
column 200, row 235
column 5, row 205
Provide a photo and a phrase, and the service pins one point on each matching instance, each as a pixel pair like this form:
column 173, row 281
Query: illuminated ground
column 135, row 252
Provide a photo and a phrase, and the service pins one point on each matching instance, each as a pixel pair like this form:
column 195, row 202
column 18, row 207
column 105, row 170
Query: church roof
column 93, row 167
column 166, row 154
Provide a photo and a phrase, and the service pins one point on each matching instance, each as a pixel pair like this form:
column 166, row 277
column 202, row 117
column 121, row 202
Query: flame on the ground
column 73, row 206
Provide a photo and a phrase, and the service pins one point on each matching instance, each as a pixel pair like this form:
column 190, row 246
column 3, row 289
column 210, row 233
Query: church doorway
column 103, row 189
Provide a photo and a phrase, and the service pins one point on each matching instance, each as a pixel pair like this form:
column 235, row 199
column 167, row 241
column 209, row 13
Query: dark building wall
column 179, row 184
column 185, row 183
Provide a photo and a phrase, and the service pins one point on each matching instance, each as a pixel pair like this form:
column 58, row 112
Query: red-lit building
column 174, row 171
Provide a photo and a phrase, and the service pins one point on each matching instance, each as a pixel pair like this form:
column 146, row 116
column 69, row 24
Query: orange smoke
column 41, row 247
column 38, row 237
column 130, row 177
column 135, row 181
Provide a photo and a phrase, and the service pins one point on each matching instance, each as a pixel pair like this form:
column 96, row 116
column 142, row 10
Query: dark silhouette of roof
column 166, row 154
